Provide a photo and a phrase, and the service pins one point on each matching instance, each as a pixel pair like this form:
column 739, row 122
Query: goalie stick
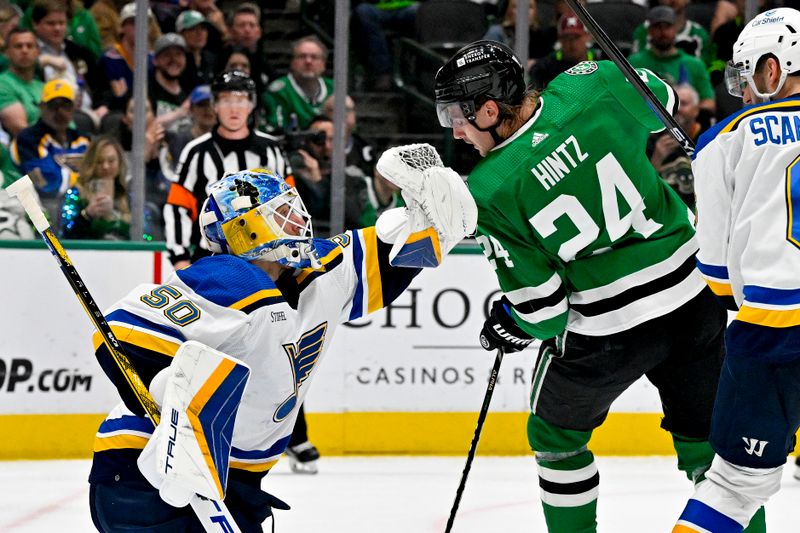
column 487, row 399
column 214, row 516
column 628, row 71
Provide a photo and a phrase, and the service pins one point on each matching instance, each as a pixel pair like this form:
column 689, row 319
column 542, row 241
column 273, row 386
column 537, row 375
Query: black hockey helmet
column 482, row 69
column 233, row 81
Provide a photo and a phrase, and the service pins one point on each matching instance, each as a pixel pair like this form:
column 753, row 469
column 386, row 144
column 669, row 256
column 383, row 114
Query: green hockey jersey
column 582, row 232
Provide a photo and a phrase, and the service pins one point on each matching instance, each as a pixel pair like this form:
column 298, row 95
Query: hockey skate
column 303, row 458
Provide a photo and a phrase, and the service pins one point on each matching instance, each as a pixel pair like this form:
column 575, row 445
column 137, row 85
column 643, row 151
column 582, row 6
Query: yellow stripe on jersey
column 733, row 124
column 117, row 442
column 331, row 255
column 196, row 406
column 680, row 528
column 718, row 288
column 373, row 270
column 770, row 318
column 138, row 338
column 253, row 467
column 256, row 296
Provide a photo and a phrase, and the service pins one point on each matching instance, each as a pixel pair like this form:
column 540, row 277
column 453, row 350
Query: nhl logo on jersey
column 582, row 68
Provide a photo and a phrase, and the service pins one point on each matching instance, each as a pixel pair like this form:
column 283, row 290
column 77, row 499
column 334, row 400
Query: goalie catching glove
column 501, row 330
column 189, row 451
column 440, row 210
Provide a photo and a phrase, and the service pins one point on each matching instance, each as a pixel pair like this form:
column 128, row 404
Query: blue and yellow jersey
column 280, row 328
column 747, row 181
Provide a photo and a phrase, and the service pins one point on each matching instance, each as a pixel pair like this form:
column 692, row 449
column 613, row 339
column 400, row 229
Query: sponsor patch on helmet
column 582, row 68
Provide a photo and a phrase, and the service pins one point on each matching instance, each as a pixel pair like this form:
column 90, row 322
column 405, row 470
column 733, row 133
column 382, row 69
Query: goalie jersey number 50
column 181, row 313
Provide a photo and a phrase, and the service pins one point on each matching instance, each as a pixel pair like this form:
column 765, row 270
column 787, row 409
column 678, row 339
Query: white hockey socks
column 728, row 498
column 189, row 451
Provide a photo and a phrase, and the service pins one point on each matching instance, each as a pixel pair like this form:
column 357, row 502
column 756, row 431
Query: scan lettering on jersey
column 559, row 163
column 775, row 129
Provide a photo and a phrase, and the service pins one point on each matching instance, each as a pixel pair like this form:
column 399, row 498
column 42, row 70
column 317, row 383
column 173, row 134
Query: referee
column 230, row 147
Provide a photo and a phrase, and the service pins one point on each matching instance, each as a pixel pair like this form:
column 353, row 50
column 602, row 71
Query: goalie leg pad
column 190, row 448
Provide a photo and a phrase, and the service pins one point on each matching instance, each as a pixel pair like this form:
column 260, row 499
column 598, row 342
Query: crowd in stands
column 66, row 108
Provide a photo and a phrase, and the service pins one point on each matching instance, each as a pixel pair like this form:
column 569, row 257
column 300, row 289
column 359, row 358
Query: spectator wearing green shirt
column 20, row 89
column 292, row 101
column 669, row 62
column 691, row 37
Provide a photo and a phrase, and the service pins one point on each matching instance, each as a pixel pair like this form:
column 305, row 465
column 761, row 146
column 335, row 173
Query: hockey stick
column 641, row 87
column 487, row 399
column 214, row 516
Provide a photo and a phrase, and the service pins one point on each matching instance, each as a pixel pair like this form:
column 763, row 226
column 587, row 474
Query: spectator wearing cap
column 293, row 100
column 690, row 36
column 109, row 22
column 200, row 60
column 60, row 57
column 201, row 111
column 218, row 32
column 20, row 89
column 168, row 98
column 574, row 48
column 50, row 151
column 670, row 62
column 117, row 62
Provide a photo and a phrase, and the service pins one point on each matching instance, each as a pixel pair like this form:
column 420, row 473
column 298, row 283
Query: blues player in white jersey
column 267, row 305
column 747, row 181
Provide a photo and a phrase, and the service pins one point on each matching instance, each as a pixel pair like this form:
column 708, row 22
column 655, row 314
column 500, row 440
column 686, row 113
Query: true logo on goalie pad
column 173, row 426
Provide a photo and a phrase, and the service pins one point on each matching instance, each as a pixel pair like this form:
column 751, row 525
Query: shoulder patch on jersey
column 277, row 85
column 583, row 68
column 229, row 281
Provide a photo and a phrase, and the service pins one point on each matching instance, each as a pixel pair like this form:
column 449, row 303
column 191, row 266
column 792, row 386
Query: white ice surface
column 399, row 495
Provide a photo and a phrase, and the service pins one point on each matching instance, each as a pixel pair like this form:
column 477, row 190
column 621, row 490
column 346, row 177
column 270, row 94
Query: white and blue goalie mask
column 255, row 214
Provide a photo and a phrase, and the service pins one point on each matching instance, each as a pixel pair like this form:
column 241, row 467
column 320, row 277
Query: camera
column 302, row 140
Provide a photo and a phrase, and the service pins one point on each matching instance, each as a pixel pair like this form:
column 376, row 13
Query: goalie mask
column 255, row 214
column 486, row 69
column 772, row 32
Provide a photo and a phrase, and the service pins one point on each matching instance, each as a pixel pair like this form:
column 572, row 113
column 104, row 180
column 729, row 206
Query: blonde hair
column 87, row 172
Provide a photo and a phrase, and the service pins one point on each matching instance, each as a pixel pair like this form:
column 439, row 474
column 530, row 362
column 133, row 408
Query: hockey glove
column 501, row 330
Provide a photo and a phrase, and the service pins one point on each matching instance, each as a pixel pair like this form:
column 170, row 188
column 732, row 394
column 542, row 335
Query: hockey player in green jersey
column 595, row 256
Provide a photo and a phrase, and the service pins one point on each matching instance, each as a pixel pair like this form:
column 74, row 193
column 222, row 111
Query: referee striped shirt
column 203, row 162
